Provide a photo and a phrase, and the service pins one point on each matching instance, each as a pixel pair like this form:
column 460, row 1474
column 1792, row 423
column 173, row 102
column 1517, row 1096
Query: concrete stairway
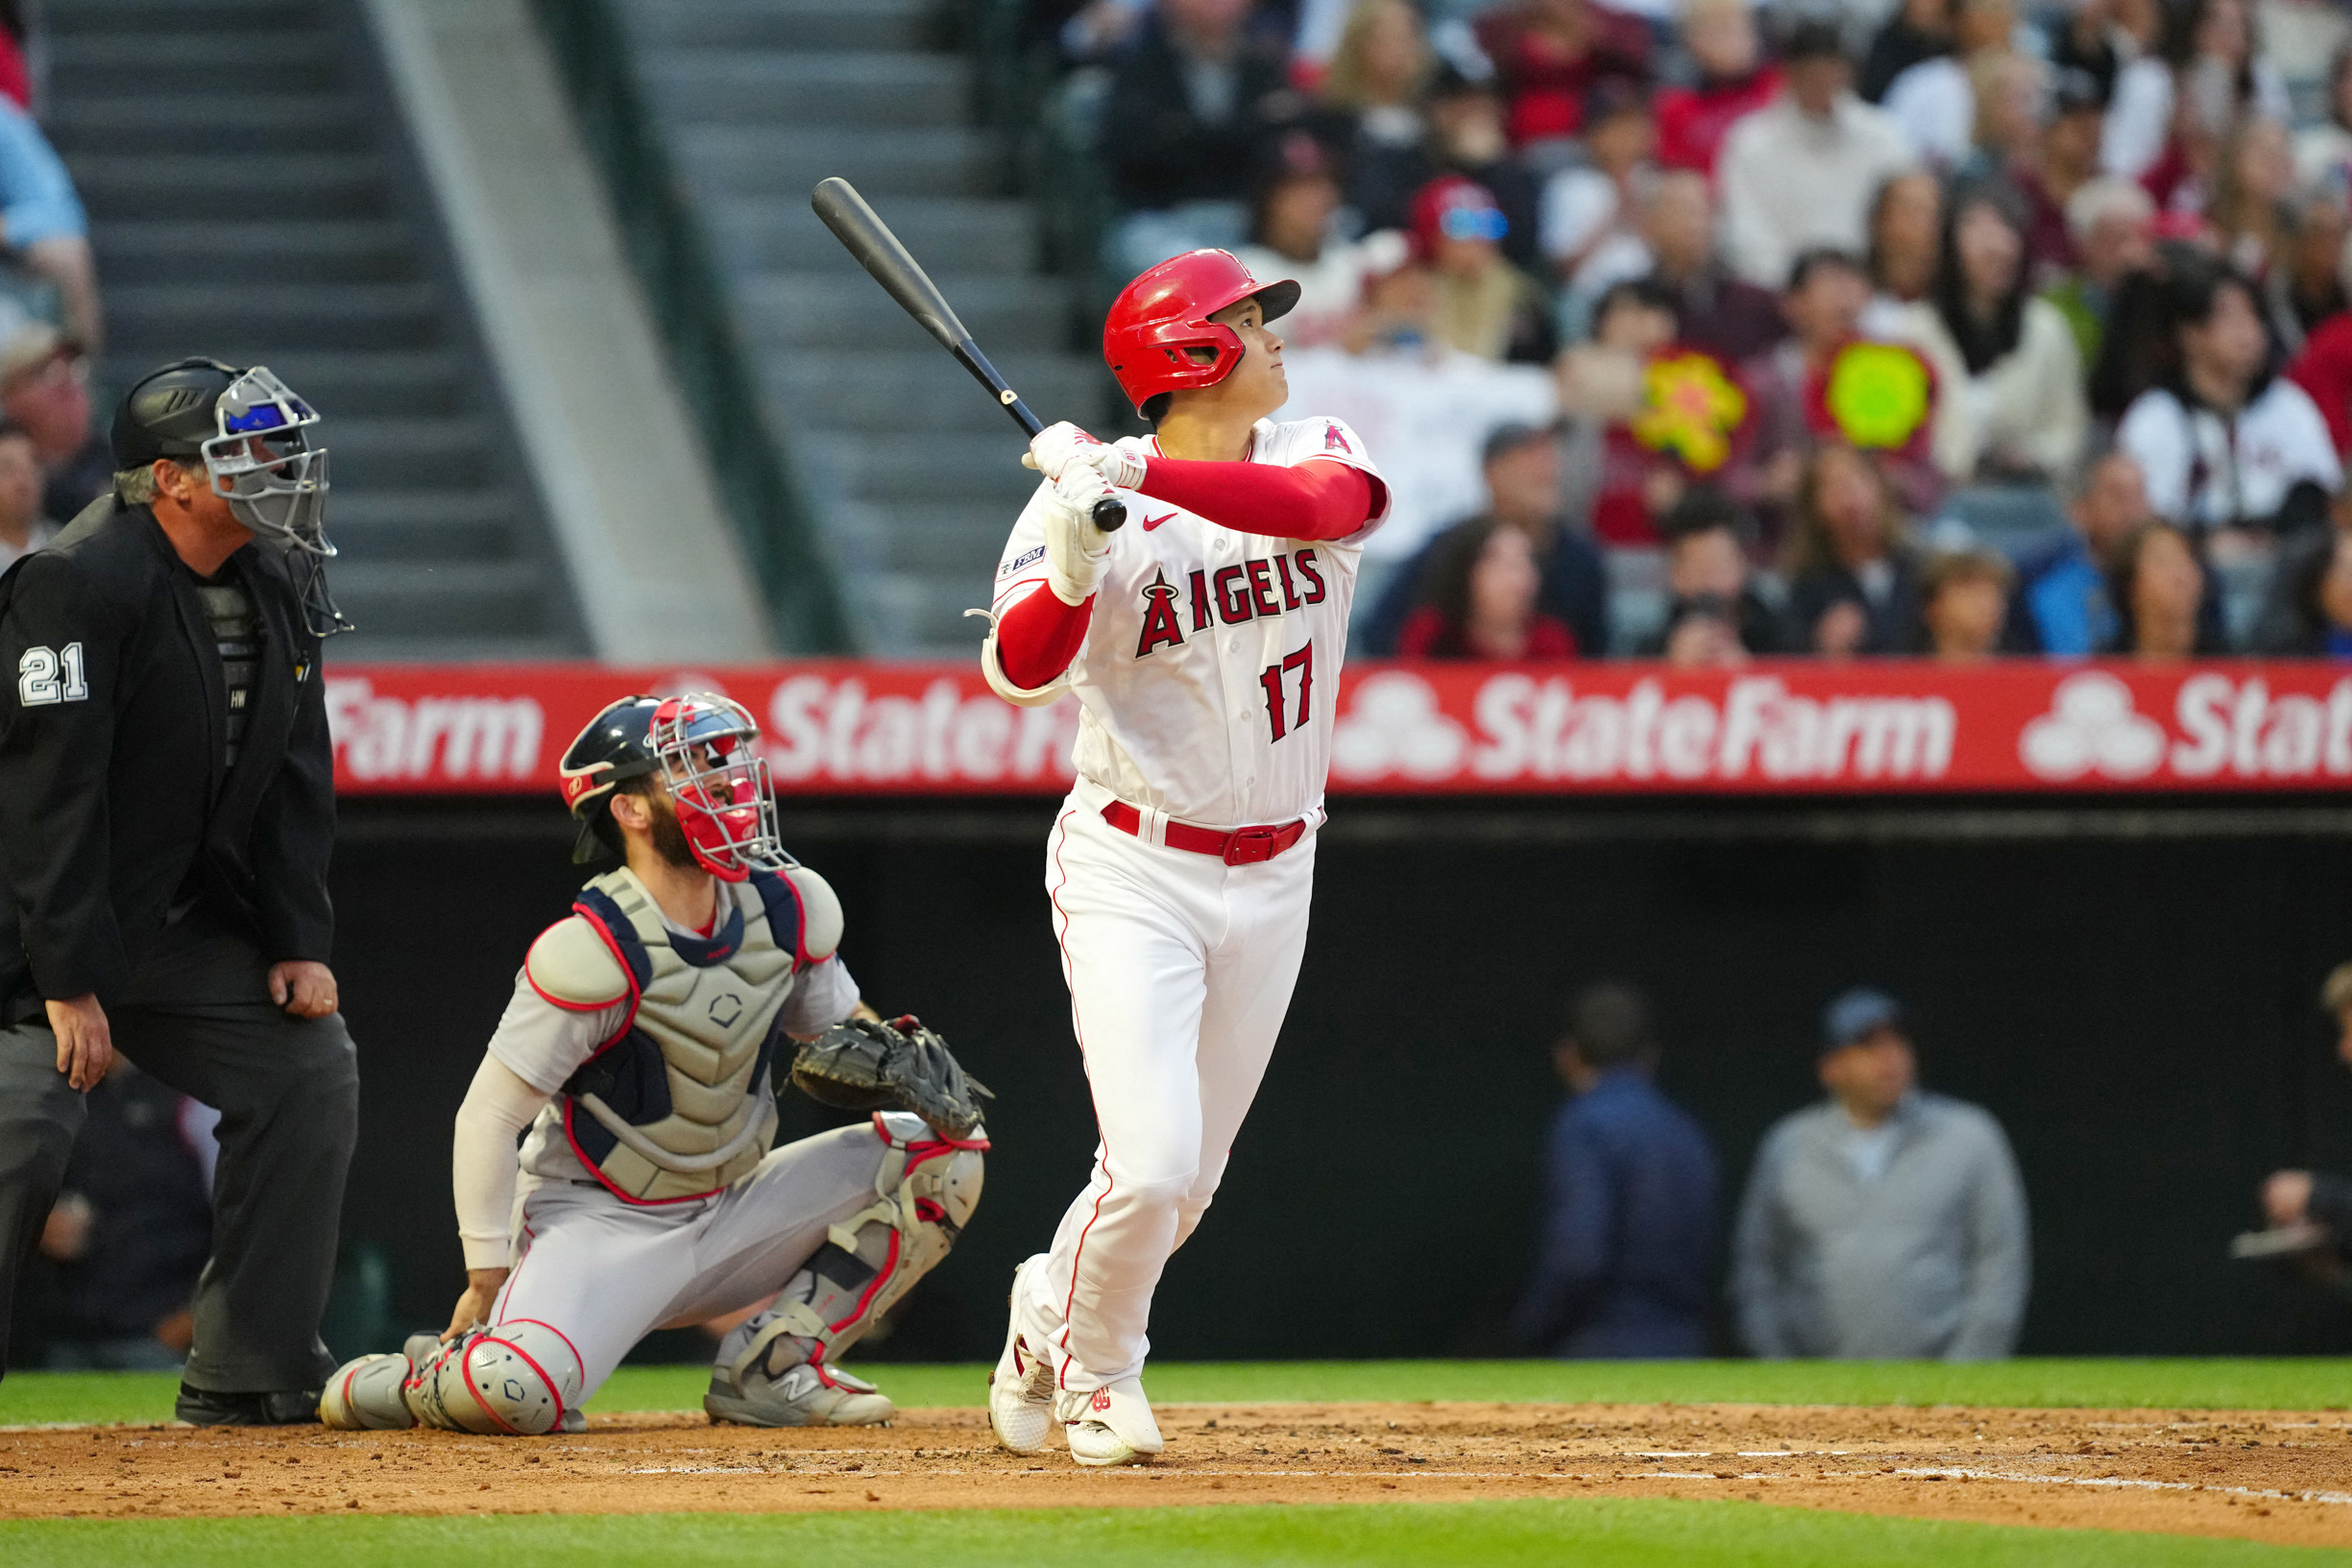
column 250, row 198
column 915, row 477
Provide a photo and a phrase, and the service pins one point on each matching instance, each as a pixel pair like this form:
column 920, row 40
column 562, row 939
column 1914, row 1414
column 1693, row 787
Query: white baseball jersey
column 1210, row 669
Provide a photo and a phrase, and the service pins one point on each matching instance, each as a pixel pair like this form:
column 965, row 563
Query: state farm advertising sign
column 849, row 727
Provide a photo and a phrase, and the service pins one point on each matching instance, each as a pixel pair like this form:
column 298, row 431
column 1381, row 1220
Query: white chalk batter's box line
column 2132, row 1481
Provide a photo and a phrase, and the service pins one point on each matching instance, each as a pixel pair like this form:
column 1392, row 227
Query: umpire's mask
column 255, row 437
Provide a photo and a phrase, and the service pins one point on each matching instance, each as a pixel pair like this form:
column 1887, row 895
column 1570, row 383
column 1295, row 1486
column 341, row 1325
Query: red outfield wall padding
column 845, row 726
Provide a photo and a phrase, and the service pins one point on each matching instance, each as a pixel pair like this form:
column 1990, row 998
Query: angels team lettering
column 1245, row 591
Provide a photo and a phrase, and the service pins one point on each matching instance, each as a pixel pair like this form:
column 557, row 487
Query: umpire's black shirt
column 118, row 810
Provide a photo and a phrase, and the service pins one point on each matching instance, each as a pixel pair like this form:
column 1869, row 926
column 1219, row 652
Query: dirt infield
column 2272, row 1476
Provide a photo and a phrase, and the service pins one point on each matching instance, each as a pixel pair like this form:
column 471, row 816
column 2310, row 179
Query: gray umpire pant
column 288, row 1093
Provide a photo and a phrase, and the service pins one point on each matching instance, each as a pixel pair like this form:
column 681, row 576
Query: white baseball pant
column 604, row 1273
column 1180, row 970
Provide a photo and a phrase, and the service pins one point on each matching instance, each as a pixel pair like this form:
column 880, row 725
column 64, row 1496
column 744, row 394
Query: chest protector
column 679, row 1104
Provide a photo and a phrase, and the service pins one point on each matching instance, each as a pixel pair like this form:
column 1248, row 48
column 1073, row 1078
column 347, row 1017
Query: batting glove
column 1058, row 448
column 1075, row 548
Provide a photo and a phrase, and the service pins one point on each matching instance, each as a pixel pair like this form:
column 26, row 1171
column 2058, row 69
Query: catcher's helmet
column 254, row 439
column 1166, row 311
column 702, row 746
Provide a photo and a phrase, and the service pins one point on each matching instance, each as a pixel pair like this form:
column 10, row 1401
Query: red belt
column 1241, row 847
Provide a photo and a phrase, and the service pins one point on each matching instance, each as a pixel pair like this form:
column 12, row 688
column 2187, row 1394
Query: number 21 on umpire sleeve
column 44, row 677
column 1272, row 678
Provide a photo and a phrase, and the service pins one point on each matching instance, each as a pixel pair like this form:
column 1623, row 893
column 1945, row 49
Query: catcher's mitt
column 867, row 1065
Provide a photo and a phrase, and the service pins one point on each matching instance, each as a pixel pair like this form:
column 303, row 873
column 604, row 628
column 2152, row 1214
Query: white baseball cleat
column 1021, row 1388
column 1109, row 1426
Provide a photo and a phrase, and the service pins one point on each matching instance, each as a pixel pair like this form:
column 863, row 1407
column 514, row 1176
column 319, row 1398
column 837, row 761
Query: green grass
column 1599, row 1533
column 2221, row 1383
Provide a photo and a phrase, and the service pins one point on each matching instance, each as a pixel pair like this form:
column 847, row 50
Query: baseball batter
column 638, row 1049
column 1203, row 643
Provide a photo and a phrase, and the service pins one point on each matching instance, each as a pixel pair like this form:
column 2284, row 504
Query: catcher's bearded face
column 667, row 833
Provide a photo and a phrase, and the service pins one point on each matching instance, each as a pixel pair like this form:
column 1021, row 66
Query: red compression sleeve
column 1319, row 499
column 1037, row 637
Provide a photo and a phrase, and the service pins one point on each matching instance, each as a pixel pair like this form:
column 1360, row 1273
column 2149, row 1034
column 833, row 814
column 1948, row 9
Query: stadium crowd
column 1702, row 330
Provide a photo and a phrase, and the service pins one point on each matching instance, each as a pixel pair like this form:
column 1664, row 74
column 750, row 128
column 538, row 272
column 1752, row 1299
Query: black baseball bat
column 877, row 251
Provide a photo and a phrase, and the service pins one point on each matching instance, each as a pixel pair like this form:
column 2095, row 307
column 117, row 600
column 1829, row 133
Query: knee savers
column 516, row 1379
column 513, row 1379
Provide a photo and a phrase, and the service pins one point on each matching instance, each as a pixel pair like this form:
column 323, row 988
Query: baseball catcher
column 639, row 1050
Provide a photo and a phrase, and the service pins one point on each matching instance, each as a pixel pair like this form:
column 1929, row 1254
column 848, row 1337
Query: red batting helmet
column 1166, row 311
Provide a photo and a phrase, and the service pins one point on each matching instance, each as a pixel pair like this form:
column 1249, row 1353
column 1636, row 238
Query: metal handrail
column 663, row 233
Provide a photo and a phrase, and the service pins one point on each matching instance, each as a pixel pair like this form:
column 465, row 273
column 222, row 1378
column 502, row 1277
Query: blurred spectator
column 1592, row 211
column 1914, row 31
column 1648, row 420
column 1733, row 81
column 45, row 392
column 2313, row 616
column 2306, row 287
column 2324, row 151
column 1629, row 1199
column 1798, row 174
column 1195, row 102
column 42, row 225
column 2223, row 444
column 2320, row 1197
column 132, row 1226
column 1484, row 304
column 2164, row 605
column 1886, row 1222
column 1369, row 107
column 2324, row 368
column 1906, row 244
column 2012, row 98
column 2109, row 223
column 2064, row 595
column 1935, row 101
column 2085, row 40
column 1521, row 467
column 2210, row 76
column 1717, row 613
column 23, row 527
column 1722, row 315
column 1292, row 236
column 2011, row 381
column 2255, row 173
column 2063, row 160
column 2140, row 90
column 1964, row 605
column 1853, row 581
column 1548, row 53
column 1466, row 138
column 1478, row 599
column 1791, row 406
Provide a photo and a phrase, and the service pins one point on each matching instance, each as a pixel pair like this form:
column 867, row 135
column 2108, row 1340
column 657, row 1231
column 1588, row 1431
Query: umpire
column 170, row 808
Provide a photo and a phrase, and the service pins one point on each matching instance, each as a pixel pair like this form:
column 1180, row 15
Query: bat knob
column 1110, row 513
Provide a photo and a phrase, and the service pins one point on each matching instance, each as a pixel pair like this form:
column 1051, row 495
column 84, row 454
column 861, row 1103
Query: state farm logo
column 2092, row 727
column 1393, row 726
column 386, row 739
column 822, row 731
column 1524, row 728
column 2221, row 727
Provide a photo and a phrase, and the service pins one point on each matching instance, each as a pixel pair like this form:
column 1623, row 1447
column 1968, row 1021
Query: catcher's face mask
column 718, row 783
column 266, row 464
